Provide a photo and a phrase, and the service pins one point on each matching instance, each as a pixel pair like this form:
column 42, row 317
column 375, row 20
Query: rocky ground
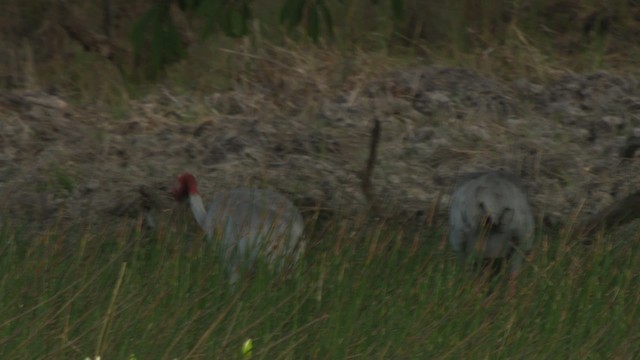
column 571, row 140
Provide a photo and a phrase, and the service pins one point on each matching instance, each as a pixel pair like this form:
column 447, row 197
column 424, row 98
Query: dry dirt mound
column 59, row 161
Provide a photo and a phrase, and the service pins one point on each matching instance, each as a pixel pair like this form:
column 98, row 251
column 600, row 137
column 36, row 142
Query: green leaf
column 239, row 17
column 313, row 24
column 139, row 29
column 398, row 8
column 247, row 15
column 156, row 35
column 211, row 11
column 291, row 12
column 235, row 23
column 326, row 14
column 173, row 47
column 189, row 5
column 246, row 11
column 285, row 11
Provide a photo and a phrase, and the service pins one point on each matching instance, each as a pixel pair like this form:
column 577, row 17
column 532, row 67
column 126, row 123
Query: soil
column 572, row 141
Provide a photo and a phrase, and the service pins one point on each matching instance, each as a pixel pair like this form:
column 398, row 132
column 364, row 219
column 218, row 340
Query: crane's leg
column 513, row 286
column 514, row 271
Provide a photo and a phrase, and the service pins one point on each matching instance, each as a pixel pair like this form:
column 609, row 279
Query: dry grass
column 271, row 111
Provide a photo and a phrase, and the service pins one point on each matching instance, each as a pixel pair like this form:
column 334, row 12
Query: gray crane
column 249, row 222
column 490, row 215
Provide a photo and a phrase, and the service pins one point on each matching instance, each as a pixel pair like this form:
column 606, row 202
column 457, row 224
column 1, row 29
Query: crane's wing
column 492, row 199
column 253, row 222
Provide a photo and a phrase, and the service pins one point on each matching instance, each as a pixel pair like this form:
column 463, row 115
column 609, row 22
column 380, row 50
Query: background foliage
column 155, row 34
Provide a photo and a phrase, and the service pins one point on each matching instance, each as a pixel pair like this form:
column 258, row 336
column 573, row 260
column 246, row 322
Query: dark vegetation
column 102, row 103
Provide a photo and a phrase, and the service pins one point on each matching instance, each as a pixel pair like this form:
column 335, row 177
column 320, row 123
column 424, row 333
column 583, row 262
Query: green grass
column 72, row 294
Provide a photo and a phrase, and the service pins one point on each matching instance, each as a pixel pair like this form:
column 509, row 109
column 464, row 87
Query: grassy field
column 360, row 293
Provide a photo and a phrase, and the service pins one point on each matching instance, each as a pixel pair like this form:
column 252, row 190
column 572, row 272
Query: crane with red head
column 249, row 223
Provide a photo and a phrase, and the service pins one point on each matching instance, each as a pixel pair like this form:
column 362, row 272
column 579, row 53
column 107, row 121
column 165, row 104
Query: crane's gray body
column 252, row 223
column 498, row 198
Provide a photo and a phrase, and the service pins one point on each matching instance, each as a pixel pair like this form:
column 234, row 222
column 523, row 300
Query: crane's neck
column 197, row 207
